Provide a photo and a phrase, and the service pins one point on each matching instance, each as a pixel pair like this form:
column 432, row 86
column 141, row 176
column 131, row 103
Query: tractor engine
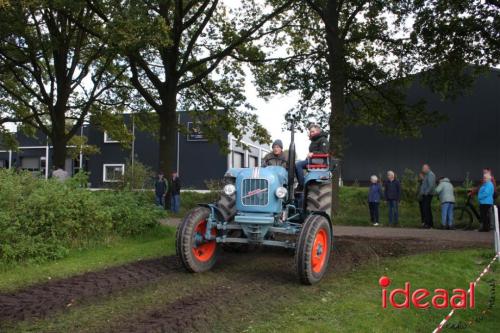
column 260, row 194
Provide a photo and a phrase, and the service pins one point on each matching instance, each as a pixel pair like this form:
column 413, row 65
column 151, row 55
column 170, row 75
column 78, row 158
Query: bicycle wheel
column 462, row 218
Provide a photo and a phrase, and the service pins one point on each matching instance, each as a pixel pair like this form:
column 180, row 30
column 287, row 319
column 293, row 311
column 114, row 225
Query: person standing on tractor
column 319, row 145
column 276, row 157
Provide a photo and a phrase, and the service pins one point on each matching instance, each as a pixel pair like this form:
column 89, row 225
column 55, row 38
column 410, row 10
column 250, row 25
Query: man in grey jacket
column 427, row 192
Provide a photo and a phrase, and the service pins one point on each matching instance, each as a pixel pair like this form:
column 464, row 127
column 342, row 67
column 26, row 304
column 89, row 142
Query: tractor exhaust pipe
column 291, row 163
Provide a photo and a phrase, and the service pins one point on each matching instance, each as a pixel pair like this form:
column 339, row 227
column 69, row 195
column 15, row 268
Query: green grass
column 354, row 209
column 352, row 302
column 155, row 243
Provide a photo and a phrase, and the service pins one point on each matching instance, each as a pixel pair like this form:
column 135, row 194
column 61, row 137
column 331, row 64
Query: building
column 197, row 160
column 468, row 141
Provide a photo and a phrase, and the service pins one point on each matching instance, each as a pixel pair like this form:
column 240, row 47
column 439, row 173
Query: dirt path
column 397, row 233
column 265, row 273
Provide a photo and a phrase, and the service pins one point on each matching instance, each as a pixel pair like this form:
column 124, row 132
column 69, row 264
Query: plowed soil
column 260, row 275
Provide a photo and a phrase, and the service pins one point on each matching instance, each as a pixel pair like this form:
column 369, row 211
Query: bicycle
column 464, row 215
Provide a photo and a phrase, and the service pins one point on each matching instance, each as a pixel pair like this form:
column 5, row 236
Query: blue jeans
column 160, row 200
column 447, row 214
column 175, row 203
column 393, row 211
column 299, row 171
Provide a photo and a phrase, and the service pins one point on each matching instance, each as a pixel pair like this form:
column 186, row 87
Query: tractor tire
column 319, row 197
column 227, row 206
column 195, row 257
column 313, row 251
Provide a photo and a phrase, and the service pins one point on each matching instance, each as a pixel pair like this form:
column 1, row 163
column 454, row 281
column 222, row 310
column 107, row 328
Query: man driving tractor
column 318, row 145
column 276, row 157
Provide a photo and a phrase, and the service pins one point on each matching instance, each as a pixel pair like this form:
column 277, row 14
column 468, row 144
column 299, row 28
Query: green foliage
column 215, row 187
column 468, row 183
column 42, row 219
column 137, row 176
column 409, row 186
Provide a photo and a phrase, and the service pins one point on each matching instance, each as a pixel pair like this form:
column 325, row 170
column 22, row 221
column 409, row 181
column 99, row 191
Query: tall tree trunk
column 59, row 152
column 168, row 134
column 338, row 81
column 58, row 136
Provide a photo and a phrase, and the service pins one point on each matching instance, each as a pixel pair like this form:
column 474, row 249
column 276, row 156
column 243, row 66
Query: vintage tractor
column 258, row 206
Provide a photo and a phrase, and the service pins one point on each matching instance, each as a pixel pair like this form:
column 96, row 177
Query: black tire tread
column 319, row 197
column 183, row 242
column 304, row 246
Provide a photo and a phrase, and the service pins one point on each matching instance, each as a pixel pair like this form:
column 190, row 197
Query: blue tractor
column 258, row 206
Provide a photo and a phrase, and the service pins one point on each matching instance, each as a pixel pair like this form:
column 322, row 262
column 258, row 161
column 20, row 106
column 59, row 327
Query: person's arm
column 398, row 190
column 324, row 146
column 438, row 189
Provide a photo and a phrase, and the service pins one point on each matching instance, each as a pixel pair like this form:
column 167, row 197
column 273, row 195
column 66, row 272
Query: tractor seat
column 317, row 166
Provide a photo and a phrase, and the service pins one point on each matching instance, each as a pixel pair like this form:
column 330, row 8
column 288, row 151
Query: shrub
column 409, row 186
column 43, row 219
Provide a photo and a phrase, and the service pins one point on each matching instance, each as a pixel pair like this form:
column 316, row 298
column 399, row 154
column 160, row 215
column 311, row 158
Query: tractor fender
column 327, row 217
column 213, row 208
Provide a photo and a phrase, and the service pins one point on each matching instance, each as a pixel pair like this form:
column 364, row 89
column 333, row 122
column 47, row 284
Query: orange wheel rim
column 206, row 250
column 319, row 251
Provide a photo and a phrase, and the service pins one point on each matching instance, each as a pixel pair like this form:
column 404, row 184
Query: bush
column 43, row 219
column 409, row 186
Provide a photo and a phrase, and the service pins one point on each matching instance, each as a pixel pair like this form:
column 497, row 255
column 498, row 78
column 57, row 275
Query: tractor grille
column 254, row 192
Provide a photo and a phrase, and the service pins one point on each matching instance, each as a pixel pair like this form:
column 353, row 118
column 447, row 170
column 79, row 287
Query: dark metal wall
column 467, row 142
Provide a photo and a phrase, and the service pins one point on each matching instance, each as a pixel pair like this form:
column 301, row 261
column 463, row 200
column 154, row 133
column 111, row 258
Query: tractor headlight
column 229, row 189
column 281, row 192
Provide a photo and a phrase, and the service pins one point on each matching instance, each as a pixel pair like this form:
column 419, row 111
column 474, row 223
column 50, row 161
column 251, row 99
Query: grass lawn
column 333, row 307
column 155, row 243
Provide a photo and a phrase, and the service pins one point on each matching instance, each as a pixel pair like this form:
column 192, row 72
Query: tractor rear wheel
column 319, row 197
column 313, row 249
column 196, row 253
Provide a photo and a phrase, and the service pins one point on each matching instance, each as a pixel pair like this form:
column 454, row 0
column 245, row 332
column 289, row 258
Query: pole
column 10, row 158
column 497, row 231
column 47, row 159
column 178, row 142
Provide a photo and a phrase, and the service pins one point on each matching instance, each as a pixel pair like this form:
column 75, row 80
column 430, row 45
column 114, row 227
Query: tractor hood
column 256, row 188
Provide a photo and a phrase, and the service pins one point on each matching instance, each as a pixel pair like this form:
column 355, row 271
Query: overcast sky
column 272, row 116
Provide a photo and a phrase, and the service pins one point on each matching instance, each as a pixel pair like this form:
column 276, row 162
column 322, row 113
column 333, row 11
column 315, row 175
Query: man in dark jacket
column 318, row 145
column 393, row 196
column 276, row 157
column 427, row 192
column 175, row 192
column 160, row 190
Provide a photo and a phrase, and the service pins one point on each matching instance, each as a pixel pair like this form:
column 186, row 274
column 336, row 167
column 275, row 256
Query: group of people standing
column 168, row 192
column 390, row 191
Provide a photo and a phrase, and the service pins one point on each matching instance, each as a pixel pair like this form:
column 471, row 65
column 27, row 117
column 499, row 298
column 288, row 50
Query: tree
column 54, row 69
column 351, row 62
column 450, row 36
column 182, row 56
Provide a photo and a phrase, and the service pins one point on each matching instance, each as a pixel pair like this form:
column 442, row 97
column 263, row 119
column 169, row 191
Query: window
column 237, row 160
column 108, row 138
column 253, row 161
column 112, row 172
column 30, row 163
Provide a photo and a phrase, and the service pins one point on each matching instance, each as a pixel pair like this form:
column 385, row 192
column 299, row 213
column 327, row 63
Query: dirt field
column 241, row 281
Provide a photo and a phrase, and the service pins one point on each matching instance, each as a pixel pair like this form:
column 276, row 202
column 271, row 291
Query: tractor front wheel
column 313, row 249
column 196, row 253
